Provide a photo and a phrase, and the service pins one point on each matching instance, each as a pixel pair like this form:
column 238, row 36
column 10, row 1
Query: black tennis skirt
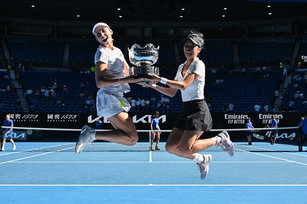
column 195, row 115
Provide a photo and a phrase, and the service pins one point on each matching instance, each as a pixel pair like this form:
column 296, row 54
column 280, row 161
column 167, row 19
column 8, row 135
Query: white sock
column 217, row 139
column 93, row 135
column 198, row 158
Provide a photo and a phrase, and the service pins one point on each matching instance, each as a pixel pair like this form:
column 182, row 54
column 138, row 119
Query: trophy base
column 138, row 76
column 143, row 71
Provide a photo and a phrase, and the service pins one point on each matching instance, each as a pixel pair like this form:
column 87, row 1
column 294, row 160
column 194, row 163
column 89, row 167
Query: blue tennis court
column 48, row 172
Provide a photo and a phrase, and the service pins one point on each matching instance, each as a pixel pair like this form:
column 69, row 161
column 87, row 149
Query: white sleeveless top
column 196, row 89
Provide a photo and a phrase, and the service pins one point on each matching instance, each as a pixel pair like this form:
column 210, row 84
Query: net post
column 150, row 152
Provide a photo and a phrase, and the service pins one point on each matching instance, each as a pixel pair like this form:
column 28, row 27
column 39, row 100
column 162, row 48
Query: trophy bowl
column 143, row 58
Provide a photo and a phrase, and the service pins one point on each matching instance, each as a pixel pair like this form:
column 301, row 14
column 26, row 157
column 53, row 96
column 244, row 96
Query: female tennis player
column 195, row 118
column 154, row 125
column 112, row 78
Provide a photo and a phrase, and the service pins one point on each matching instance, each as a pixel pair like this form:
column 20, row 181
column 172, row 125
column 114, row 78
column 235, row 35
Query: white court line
column 157, row 185
column 29, row 150
column 302, row 155
column 280, row 152
column 37, row 155
column 287, row 160
column 143, row 162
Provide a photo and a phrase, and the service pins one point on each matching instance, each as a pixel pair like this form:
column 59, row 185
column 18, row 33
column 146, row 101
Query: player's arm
column 102, row 81
column 179, row 84
column 151, row 125
column 169, row 91
column 174, row 85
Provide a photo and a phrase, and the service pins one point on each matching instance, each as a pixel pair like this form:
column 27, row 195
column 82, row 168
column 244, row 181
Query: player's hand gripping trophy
column 143, row 58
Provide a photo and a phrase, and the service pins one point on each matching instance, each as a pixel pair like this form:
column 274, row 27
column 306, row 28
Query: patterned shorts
column 108, row 105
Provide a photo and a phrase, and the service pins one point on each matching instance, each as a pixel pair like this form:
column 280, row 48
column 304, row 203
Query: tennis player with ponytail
column 195, row 118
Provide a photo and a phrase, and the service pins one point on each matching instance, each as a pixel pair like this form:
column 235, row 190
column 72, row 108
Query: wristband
column 163, row 80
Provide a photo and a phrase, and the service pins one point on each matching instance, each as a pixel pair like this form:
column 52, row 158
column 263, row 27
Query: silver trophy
column 143, row 58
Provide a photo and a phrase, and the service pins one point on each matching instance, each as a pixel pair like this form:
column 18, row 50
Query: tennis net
column 63, row 140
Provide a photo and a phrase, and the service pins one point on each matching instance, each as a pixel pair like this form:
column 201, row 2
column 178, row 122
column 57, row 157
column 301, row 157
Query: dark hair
column 196, row 38
column 157, row 113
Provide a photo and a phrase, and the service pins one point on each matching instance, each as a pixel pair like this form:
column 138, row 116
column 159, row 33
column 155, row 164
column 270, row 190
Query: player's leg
column 273, row 137
column 172, row 144
column 13, row 143
column 249, row 138
column 125, row 131
column 3, row 144
column 304, row 139
column 187, row 145
column 158, row 140
column 153, row 136
column 190, row 145
column 181, row 143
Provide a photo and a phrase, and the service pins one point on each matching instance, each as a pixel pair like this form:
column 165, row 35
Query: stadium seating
column 35, row 80
column 265, row 50
column 82, row 51
column 303, row 47
column 244, row 91
column 300, row 103
column 39, row 51
column 7, row 99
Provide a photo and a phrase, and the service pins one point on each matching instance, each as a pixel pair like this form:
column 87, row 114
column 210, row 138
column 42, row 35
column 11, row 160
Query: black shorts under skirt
column 195, row 115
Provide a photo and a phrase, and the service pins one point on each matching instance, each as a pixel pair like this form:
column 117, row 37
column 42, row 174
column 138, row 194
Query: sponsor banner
column 24, row 118
column 142, row 121
column 20, row 135
column 62, row 120
column 259, row 120
column 47, row 120
column 220, row 120
column 285, row 134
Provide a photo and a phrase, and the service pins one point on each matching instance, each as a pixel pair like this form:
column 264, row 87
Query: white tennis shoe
column 204, row 165
column 84, row 139
column 225, row 143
